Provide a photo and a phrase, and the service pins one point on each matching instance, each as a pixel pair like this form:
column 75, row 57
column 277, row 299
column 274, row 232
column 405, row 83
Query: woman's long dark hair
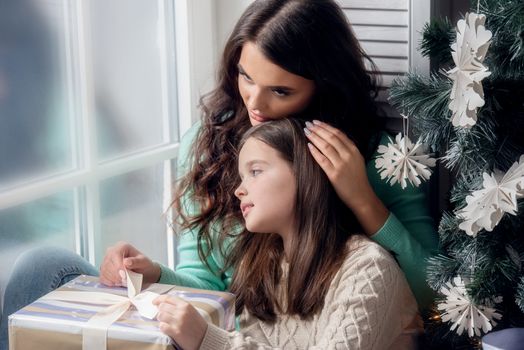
column 310, row 38
column 316, row 251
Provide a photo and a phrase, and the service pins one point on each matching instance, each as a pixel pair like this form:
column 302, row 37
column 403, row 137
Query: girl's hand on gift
column 181, row 321
column 345, row 167
column 124, row 256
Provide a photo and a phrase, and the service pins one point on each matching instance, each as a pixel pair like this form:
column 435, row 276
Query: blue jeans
column 36, row 273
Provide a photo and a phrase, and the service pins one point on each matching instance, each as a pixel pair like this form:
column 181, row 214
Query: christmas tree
column 470, row 113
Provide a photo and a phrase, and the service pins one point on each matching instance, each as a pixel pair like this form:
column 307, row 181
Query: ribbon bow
column 94, row 334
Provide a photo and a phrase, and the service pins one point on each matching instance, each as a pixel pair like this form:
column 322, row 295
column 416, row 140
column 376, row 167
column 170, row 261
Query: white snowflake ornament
column 401, row 161
column 466, row 97
column 498, row 195
column 468, row 53
column 464, row 314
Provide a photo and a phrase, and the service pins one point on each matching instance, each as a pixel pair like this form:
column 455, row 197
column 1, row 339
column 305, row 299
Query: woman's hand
column 124, row 256
column 181, row 321
column 345, row 167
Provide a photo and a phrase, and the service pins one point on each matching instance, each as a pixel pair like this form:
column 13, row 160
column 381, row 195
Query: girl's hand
column 124, row 256
column 345, row 167
column 181, row 321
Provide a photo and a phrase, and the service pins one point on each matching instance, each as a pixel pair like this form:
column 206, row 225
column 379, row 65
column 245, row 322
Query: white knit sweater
column 368, row 306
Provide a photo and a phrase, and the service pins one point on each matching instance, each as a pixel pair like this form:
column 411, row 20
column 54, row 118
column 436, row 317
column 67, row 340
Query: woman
column 284, row 58
column 288, row 58
column 303, row 278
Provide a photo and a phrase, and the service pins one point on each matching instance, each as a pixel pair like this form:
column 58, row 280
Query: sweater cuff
column 215, row 338
column 388, row 235
column 167, row 276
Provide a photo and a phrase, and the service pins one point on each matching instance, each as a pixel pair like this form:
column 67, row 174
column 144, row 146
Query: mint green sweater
column 408, row 233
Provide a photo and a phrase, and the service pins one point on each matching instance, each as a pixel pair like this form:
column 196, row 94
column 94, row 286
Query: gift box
column 81, row 315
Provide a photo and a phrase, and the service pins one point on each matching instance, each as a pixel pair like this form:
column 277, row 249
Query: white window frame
column 420, row 14
column 190, row 73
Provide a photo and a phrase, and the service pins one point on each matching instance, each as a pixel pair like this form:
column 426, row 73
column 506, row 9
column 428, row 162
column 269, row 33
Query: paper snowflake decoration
column 401, row 161
column 463, row 313
column 468, row 53
column 486, row 207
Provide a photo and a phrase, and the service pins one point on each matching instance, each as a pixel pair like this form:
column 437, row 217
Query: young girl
column 302, row 278
column 283, row 58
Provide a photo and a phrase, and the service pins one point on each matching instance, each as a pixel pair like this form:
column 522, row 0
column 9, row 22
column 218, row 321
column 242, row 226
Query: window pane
column 34, row 123
column 131, row 211
column 48, row 221
column 127, row 75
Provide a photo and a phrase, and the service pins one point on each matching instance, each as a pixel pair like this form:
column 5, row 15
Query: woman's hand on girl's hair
column 342, row 162
column 345, row 167
column 181, row 321
column 124, row 256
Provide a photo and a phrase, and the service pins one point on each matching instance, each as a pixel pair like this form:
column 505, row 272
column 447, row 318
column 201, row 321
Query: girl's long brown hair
column 310, row 38
column 317, row 250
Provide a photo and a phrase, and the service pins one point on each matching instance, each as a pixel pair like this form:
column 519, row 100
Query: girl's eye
column 255, row 172
column 281, row 93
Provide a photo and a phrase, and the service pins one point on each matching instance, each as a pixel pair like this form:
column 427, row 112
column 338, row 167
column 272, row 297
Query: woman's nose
column 256, row 100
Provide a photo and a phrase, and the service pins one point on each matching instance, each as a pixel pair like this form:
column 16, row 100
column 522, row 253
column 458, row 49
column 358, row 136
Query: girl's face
column 268, row 189
column 269, row 91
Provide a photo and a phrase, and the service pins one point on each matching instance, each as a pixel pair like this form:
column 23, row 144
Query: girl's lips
column 245, row 208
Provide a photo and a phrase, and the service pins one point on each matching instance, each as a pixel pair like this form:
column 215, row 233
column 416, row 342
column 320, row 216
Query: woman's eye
column 245, row 76
column 255, row 172
column 280, row 92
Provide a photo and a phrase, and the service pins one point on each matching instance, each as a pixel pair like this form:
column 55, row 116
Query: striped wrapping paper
column 53, row 324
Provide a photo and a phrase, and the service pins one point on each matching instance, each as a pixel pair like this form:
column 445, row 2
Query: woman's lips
column 258, row 117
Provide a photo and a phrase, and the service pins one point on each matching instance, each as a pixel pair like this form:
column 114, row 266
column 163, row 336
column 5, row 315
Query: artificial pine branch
column 426, row 102
column 441, row 269
column 464, row 184
column 505, row 107
column 506, row 20
column 495, row 271
column 519, row 299
column 437, row 36
column 491, row 261
column 449, row 232
column 471, row 150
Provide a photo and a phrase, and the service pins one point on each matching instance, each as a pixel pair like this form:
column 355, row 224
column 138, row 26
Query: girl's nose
column 240, row 191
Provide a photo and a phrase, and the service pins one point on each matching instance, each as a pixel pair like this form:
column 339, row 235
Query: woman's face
column 268, row 189
column 269, row 91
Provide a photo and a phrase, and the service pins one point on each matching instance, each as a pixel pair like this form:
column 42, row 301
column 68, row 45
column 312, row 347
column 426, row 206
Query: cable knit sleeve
column 368, row 306
column 219, row 339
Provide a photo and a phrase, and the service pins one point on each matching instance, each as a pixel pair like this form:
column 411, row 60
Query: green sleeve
column 409, row 231
column 191, row 271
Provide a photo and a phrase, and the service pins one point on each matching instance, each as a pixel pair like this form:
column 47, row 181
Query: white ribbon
column 94, row 333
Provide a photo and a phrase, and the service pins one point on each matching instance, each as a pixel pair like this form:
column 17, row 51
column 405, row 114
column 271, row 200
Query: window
column 89, row 126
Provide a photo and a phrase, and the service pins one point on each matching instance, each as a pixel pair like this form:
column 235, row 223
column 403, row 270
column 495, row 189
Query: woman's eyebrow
column 241, row 70
column 275, row 87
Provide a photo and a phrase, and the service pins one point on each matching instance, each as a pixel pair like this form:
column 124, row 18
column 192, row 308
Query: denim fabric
column 37, row 272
